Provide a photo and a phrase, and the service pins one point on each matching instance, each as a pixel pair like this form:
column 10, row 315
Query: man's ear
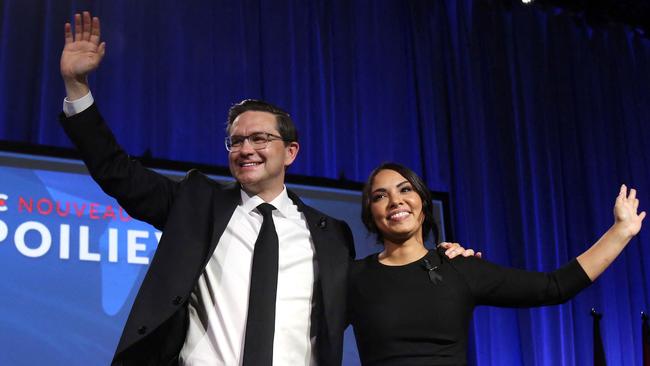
column 290, row 152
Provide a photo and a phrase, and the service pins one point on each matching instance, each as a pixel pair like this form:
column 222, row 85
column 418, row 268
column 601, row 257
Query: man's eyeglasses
column 258, row 140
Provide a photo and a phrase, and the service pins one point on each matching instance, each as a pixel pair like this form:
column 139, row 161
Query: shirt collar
column 282, row 202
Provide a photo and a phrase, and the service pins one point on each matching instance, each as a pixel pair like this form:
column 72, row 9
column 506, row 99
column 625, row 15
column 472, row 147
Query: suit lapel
column 223, row 207
column 321, row 235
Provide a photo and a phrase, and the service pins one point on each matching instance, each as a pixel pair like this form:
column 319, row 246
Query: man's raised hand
column 82, row 53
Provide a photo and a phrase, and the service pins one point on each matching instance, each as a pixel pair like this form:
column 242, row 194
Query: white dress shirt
column 219, row 304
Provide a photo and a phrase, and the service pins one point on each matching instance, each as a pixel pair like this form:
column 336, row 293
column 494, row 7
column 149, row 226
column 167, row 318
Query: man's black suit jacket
column 193, row 213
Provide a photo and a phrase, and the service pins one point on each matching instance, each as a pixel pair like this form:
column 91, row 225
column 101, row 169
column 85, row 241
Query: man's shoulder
column 307, row 209
column 314, row 212
column 197, row 187
column 196, row 177
column 319, row 222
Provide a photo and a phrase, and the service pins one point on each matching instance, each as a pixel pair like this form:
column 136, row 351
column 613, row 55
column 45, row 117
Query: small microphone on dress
column 434, row 276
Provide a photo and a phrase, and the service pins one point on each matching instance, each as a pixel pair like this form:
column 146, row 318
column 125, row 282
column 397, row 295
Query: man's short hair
column 285, row 125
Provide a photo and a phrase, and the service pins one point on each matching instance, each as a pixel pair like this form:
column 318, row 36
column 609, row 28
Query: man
column 206, row 298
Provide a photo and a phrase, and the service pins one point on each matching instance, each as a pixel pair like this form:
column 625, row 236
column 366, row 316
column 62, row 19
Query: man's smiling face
column 260, row 171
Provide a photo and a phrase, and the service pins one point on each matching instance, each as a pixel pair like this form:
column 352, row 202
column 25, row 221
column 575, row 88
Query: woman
column 413, row 306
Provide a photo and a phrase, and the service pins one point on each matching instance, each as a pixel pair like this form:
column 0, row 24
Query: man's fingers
column 451, row 248
column 95, row 31
column 86, row 26
column 455, row 250
column 78, row 29
column 102, row 49
column 67, row 33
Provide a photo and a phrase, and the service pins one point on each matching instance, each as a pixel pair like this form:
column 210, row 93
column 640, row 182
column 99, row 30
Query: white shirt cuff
column 70, row 108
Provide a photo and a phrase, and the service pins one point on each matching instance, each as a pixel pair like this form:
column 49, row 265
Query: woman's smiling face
column 396, row 207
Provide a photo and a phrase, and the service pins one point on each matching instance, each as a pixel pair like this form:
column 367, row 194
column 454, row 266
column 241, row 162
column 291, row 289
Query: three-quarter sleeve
column 491, row 284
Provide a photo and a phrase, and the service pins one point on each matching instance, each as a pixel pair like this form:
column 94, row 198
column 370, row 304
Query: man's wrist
column 76, row 89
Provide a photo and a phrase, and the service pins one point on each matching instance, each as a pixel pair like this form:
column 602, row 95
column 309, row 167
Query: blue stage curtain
column 528, row 117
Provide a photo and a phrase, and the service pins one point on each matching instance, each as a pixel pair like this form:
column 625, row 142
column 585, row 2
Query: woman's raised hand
column 625, row 212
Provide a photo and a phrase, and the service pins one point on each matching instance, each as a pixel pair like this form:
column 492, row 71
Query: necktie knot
column 265, row 209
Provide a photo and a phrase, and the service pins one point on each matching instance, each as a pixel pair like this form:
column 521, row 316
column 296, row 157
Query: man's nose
column 246, row 147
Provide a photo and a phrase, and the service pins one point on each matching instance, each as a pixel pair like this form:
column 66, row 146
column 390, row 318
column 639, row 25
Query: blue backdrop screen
column 72, row 260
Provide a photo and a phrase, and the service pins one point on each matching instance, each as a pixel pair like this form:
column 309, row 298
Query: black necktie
column 260, row 325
